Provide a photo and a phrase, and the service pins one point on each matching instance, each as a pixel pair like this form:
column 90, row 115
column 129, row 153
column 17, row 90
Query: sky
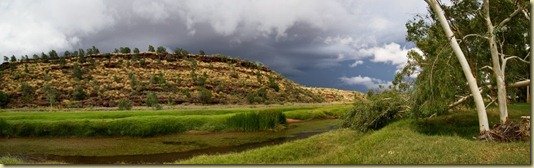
column 344, row 44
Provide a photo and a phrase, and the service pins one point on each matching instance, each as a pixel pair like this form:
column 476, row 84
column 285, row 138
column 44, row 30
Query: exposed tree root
column 508, row 132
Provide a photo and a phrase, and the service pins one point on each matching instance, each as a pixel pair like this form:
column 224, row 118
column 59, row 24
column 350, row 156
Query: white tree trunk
column 481, row 110
column 499, row 76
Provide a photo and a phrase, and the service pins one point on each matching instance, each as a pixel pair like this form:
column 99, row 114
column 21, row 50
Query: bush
column 273, row 84
column 79, row 93
column 377, row 111
column 152, row 101
column 77, row 72
column 257, row 121
column 28, row 92
column 161, row 49
column 4, row 99
column 205, row 96
column 125, row 105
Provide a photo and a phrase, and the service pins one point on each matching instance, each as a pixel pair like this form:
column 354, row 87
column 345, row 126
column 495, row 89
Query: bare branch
column 503, row 22
column 488, row 67
column 474, row 35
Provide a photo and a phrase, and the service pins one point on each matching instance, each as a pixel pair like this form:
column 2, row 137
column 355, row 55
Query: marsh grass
column 137, row 123
column 257, row 121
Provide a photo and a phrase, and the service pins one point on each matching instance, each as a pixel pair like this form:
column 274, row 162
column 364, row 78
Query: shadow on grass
column 464, row 123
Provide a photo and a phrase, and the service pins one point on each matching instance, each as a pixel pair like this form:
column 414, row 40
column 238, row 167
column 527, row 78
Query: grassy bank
column 407, row 141
column 139, row 123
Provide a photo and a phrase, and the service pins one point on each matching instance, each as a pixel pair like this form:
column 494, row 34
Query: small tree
column 51, row 94
column 201, row 52
column 45, row 57
column 95, row 50
column 136, row 50
column 77, row 72
column 67, row 54
column 13, row 58
column 35, row 57
column 53, row 55
column 125, row 50
column 162, row 49
column 151, row 48
column 6, row 59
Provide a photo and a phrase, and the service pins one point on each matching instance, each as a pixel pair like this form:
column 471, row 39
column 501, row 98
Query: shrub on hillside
column 376, row 111
column 152, row 101
column 28, row 92
column 205, row 96
column 79, row 93
column 125, row 105
column 273, row 84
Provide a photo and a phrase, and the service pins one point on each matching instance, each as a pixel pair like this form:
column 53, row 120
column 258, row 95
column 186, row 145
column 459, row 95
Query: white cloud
column 368, row 82
column 390, row 53
column 359, row 62
column 35, row 26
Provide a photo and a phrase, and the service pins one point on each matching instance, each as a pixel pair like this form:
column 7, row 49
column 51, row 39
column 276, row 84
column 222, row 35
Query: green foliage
column 201, row 52
column 161, row 49
column 205, row 96
column 257, row 121
column 125, row 105
column 51, row 94
column 133, row 81
column 257, row 97
column 273, row 84
column 136, row 50
column 4, row 99
column 193, row 62
column 125, row 50
column 152, row 101
column 77, row 72
column 6, row 59
column 170, row 58
column 202, row 79
column 28, row 92
column 158, row 79
column 376, row 112
column 79, row 93
column 151, row 48
column 26, row 68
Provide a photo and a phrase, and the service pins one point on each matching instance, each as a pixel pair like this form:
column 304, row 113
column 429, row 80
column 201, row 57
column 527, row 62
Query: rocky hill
column 81, row 80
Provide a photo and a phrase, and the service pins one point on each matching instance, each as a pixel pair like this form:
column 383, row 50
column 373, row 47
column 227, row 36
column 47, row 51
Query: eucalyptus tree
column 473, row 86
column 439, row 83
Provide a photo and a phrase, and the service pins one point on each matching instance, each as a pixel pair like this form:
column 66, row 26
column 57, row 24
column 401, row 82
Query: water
column 168, row 157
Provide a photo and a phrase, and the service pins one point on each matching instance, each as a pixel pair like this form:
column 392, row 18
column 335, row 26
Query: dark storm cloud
column 312, row 42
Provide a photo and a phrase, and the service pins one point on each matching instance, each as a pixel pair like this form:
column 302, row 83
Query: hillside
column 81, row 80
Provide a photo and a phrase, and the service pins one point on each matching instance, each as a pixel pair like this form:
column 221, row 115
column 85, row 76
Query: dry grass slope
column 105, row 79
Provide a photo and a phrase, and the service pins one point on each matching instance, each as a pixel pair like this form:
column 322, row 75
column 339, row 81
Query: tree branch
column 503, row 22
column 474, row 35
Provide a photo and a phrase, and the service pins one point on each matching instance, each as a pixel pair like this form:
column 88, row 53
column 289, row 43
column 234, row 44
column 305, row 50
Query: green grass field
column 440, row 140
column 140, row 123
